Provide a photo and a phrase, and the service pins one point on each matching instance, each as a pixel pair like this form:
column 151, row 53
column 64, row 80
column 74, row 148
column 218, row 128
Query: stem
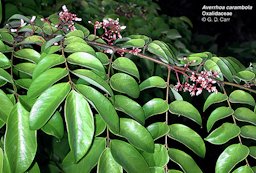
column 166, row 114
column 234, row 120
column 66, row 65
column 108, row 76
column 171, row 66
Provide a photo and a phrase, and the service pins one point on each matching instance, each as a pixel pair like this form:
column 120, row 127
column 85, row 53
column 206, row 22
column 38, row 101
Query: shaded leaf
column 102, row 105
column 107, row 163
column 157, row 50
column 188, row 137
column 102, row 57
column 126, row 84
column 248, row 131
column 159, row 158
column 42, row 82
column 18, row 132
column 231, row 156
column 127, row 66
column 223, row 134
column 217, row 114
column 99, row 124
column 240, row 96
column 34, row 39
column 245, row 114
column 24, row 83
column 54, row 126
column 88, row 162
column 158, row 129
column 128, row 157
column 47, row 62
column 130, row 107
column 138, row 42
column 80, row 124
column 93, row 79
column 253, row 151
column 210, row 65
column 186, row 109
column 79, row 47
column 47, row 103
column 186, row 162
column 154, row 107
column 214, row 98
column 136, row 134
column 151, row 82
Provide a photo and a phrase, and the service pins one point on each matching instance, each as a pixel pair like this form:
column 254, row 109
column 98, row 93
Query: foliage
column 71, row 100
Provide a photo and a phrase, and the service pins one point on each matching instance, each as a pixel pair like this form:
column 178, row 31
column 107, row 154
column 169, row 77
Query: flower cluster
column 112, row 29
column 67, row 19
column 198, row 82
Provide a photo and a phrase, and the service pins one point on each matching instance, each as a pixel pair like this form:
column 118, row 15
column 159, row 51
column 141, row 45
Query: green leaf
column 102, row 105
column 100, row 125
column 18, row 17
column 188, row 137
column 243, row 169
column 102, row 57
column 4, row 61
column 176, row 94
column 248, row 131
column 1, row 153
column 79, row 47
column 47, row 103
column 240, row 96
column 245, row 114
column 86, row 60
column 1, row 12
column 87, row 163
column 5, row 106
column 210, row 65
column 18, row 132
column 214, row 98
column 223, row 134
column 45, row 80
column 127, row 66
column 245, row 75
column 173, row 34
column 225, row 69
column 158, row 129
column 136, row 134
column 54, row 126
column 186, row 162
column 126, row 84
column 83, row 29
column 151, row 82
column 130, row 107
column 51, row 42
column 253, row 151
column 154, row 107
column 174, row 171
column 159, row 158
column 254, row 168
column 34, row 168
column 134, row 43
column 28, row 54
column 47, row 62
column 231, row 156
column 23, row 83
column 34, row 39
column 186, row 109
column 79, row 123
column 77, row 33
column 107, row 163
column 26, row 68
column 93, row 79
column 128, row 157
column 156, row 170
column 74, row 39
column 217, row 114
column 5, row 76
column 157, row 50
